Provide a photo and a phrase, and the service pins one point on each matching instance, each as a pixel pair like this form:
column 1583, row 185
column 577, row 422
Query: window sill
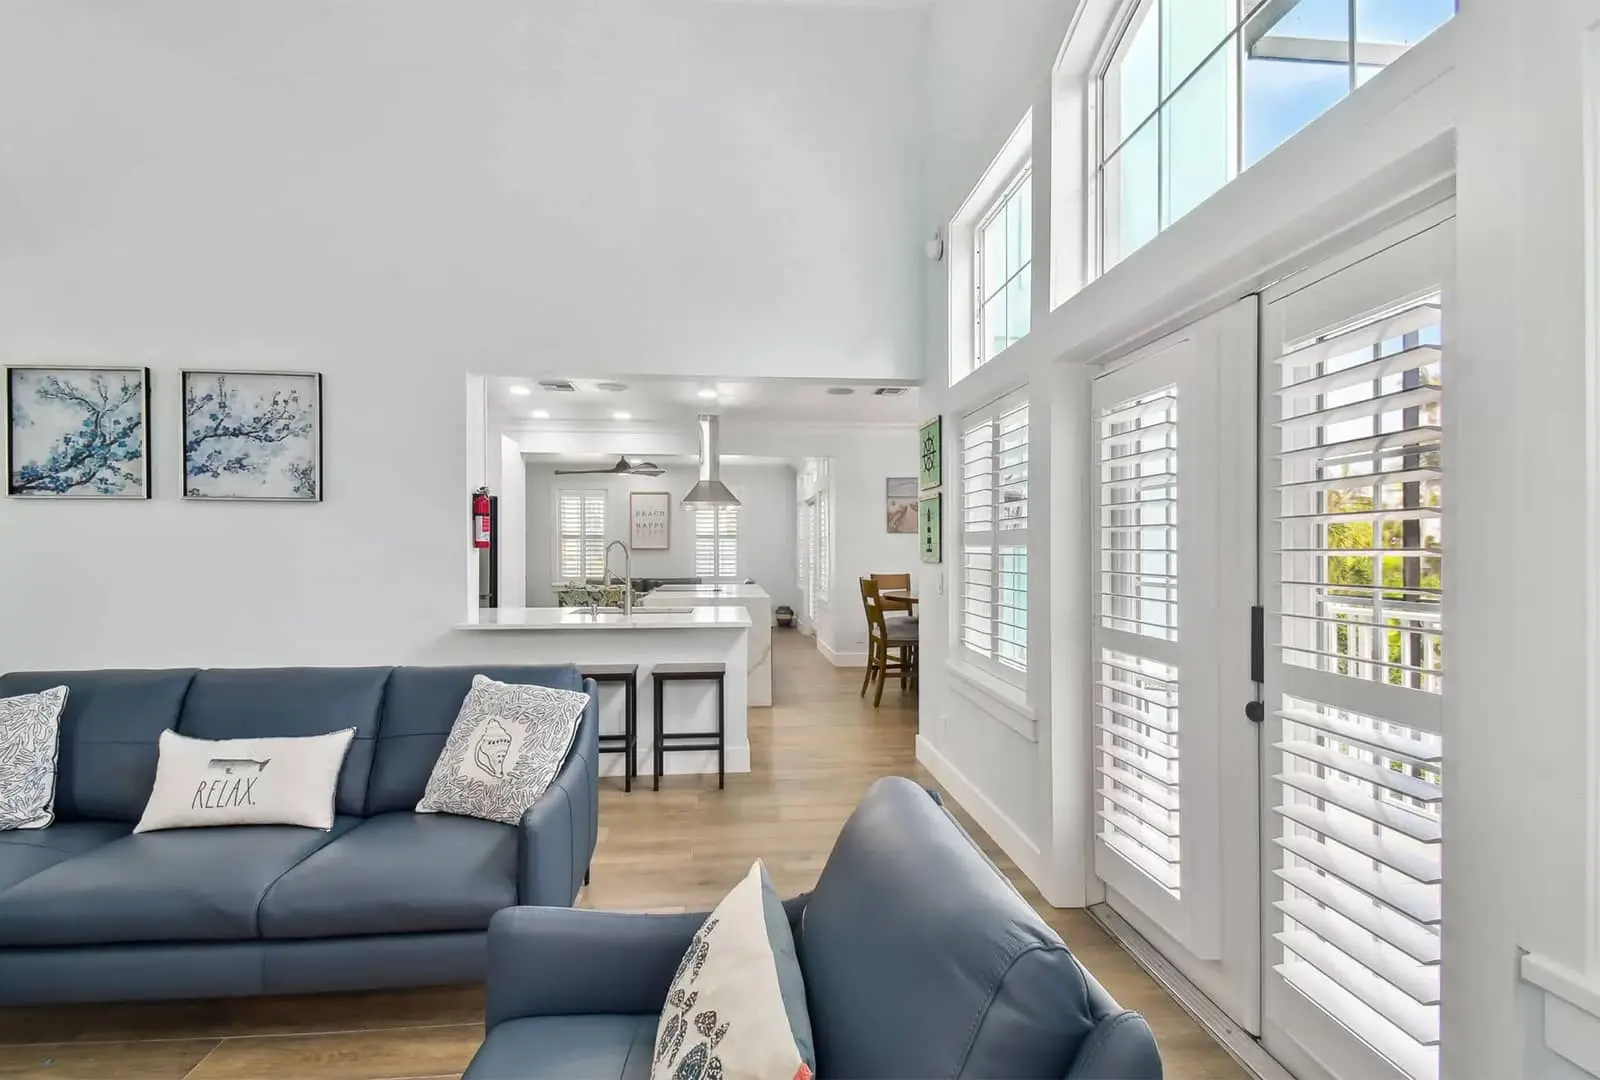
column 1571, row 1010
column 996, row 697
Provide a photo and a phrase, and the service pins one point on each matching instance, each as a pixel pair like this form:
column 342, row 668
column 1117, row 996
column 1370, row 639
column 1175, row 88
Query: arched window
column 1192, row 92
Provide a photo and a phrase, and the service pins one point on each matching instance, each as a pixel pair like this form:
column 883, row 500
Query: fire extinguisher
column 480, row 518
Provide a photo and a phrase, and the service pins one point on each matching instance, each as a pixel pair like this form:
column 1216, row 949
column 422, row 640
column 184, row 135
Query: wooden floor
column 813, row 755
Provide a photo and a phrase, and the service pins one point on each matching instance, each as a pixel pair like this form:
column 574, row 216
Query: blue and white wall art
column 78, row 432
column 252, row 435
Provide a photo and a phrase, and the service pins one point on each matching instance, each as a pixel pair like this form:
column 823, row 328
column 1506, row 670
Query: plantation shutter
column 716, row 541
column 581, row 539
column 994, row 532
column 1136, row 700
column 1355, row 587
column 823, row 544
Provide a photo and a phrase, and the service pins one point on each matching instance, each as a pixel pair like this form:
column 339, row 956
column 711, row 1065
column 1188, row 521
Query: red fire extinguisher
column 480, row 518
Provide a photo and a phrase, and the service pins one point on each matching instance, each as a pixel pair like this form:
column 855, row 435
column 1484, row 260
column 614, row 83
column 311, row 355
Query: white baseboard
column 841, row 659
column 1001, row 829
column 736, row 759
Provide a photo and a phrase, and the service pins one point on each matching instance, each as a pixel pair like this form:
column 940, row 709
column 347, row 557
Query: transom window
column 1003, row 272
column 1195, row 91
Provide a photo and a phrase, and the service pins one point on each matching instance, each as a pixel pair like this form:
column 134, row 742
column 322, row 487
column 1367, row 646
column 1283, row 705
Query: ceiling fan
column 623, row 467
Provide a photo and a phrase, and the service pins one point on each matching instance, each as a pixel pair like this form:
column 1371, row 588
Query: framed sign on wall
column 650, row 517
column 931, row 453
column 930, row 527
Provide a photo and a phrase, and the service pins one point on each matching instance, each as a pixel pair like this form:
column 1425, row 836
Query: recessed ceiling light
column 841, row 391
column 541, row 414
column 611, row 387
column 622, row 416
column 520, row 391
column 708, row 395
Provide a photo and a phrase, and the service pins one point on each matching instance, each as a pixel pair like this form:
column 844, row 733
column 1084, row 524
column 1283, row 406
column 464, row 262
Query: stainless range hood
column 710, row 491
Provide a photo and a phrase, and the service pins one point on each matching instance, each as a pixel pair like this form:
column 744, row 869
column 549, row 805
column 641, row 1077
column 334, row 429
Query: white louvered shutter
column 716, row 541
column 1136, row 706
column 1356, row 670
column 581, row 535
column 824, row 543
column 994, row 538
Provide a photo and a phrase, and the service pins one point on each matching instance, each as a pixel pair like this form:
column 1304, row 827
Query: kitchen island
column 753, row 599
column 682, row 634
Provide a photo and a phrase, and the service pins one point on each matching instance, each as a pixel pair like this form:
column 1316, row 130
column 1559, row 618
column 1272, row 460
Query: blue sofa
column 387, row 898
column 919, row 958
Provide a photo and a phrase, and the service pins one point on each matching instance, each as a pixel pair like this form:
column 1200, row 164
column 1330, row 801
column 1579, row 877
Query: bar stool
column 627, row 743
column 689, row 740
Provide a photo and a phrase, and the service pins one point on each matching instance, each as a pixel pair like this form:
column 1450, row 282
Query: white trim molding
column 1571, row 1010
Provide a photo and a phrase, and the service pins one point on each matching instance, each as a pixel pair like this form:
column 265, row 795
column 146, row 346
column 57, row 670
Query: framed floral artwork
column 254, row 435
column 78, row 432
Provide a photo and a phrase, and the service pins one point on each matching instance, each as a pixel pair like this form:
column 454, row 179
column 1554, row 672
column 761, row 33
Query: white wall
column 766, row 525
column 395, row 193
column 512, row 490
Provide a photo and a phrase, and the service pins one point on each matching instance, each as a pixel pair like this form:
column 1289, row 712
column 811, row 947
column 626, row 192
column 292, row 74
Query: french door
column 1352, row 496
column 1176, row 813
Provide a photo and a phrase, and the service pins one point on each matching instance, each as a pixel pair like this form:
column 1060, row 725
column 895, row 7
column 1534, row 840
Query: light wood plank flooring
column 813, row 755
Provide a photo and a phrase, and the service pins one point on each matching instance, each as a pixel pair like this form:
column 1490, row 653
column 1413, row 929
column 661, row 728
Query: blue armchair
column 919, row 957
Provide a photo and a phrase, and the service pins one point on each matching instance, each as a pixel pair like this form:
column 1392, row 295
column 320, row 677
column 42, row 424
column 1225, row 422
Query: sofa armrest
column 1120, row 1046
column 557, row 834
column 570, row 962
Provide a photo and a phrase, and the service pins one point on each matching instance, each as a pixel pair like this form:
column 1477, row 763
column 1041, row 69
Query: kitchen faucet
column 627, row 572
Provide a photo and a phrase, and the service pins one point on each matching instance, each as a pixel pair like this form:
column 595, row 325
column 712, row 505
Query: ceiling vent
column 558, row 386
column 841, row 391
column 889, row 391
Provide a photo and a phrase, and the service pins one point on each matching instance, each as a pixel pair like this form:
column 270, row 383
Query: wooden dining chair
column 885, row 637
column 895, row 582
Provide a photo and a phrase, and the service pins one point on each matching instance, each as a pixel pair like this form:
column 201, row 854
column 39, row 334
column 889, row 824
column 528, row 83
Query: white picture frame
column 650, row 520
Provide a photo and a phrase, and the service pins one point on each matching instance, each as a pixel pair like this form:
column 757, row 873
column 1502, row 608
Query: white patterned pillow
column 30, row 738
column 736, row 1009
column 508, row 743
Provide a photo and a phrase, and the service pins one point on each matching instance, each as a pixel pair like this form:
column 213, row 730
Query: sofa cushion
column 246, row 703
column 420, row 705
column 108, row 736
column 567, row 1048
column 920, row 959
column 396, row 874
column 186, row 885
column 25, row 852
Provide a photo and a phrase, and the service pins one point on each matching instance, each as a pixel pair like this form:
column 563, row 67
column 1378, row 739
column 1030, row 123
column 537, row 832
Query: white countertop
column 700, row 618
column 710, row 592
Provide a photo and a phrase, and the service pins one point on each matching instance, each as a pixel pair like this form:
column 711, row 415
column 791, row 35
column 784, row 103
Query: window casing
column 993, row 628
column 580, row 534
column 1003, row 270
column 1192, row 92
column 716, row 541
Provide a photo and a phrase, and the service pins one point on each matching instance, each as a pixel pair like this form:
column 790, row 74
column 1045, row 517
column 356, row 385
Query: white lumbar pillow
column 30, row 736
column 508, row 743
column 273, row 781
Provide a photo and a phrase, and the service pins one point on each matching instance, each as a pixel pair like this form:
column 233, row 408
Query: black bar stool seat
column 690, row 740
column 628, row 742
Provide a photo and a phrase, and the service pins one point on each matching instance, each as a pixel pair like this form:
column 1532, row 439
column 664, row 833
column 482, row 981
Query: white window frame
column 1250, row 30
column 993, row 538
column 1010, row 167
column 981, row 291
column 584, row 494
column 717, row 533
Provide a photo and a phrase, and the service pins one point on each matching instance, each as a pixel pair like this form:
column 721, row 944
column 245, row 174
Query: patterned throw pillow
column 508, row 743
column 736, row 1009
column 30, row 736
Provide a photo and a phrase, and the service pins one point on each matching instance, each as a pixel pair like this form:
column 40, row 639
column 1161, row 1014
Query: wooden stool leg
column 866, row 682
column 883, row 675
column 722, row 738
column 631, row 734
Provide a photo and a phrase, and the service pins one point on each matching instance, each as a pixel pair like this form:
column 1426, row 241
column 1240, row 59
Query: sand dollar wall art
column 252, row 435
column 78, row 432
